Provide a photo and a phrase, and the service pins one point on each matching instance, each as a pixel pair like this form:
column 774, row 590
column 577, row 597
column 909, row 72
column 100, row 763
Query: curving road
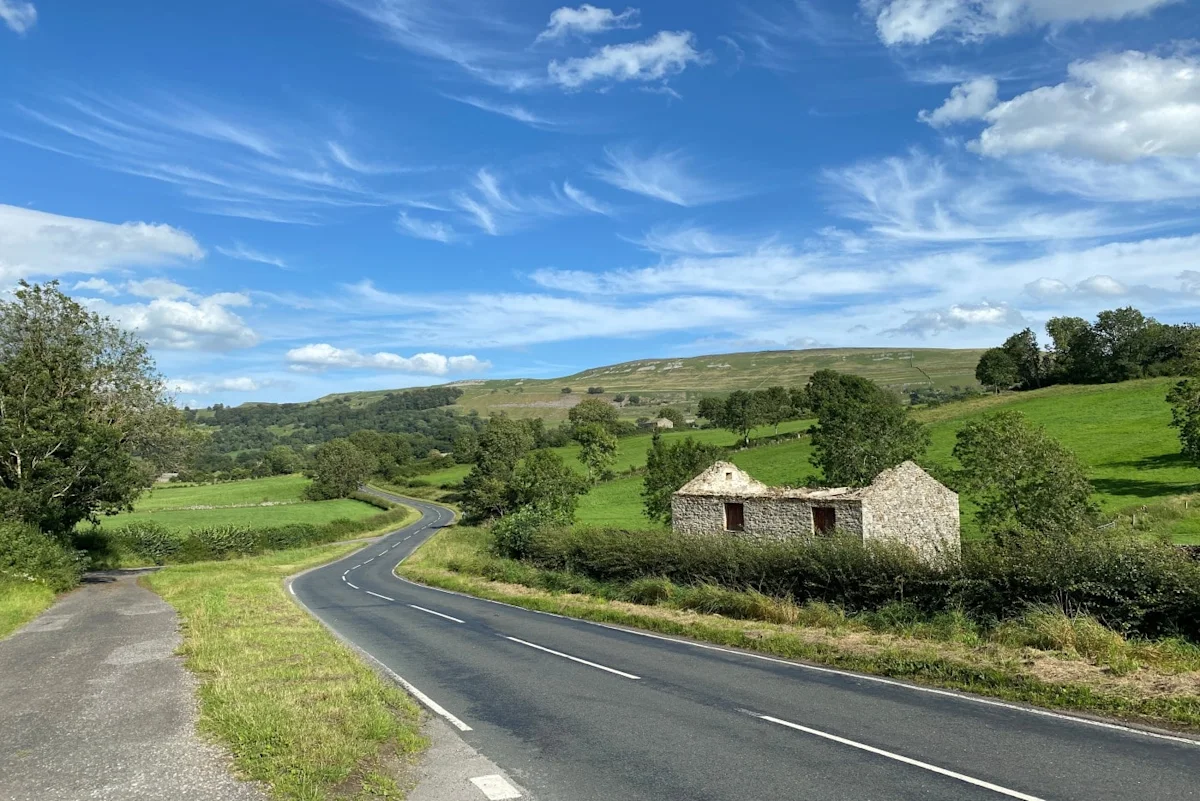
column 580, row 711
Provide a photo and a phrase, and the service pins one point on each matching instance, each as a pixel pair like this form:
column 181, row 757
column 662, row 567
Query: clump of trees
column 742, row 411
column 1121, row 344
column 85, row 421
column 339, row 468
column 668, row 467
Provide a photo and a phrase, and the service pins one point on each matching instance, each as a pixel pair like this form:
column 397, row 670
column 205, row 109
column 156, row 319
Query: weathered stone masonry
column 904, row 504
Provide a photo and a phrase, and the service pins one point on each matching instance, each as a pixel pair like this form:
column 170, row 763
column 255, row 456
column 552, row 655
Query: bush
column 148, row 540
column 27, row 554
column 512, row 535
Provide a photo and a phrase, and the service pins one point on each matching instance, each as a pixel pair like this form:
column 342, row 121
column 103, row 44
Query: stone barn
column 904, row 504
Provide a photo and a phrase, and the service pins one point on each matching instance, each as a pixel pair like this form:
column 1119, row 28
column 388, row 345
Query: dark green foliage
column 741, row 411
column 1023, row 480
column 544, row 481
column 997, row 370
column 1122, row 344
column 669, row 467
column 861, row 429
column 84, row 422
column 338, row 469
column 597, row 449
column 775, row 406
column 595, row 390
column 1026, row 356
column 1184, row 398
column 672, row 414
column 27, row 554
column 593, row 410
column 282, row 460
column 503, row 443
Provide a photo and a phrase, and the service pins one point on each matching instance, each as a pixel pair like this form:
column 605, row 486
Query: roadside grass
column 298, row 710
column 316, row 513
column 1044, row 658
column 1119, row 431
column 21, row 602
column 275, row 489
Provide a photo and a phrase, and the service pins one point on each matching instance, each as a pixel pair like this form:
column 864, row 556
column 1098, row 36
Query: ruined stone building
column 904, row 504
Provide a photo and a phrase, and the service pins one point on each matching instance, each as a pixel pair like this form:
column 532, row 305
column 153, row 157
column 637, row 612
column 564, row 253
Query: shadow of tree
column 1140, row 488
column 1161, row 462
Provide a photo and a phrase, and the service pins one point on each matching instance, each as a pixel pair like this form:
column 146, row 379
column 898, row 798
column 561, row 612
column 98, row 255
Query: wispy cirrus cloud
column 425, row 229
column 18, row 15
column 241, row 252
column 663, row 175
column 513, row 111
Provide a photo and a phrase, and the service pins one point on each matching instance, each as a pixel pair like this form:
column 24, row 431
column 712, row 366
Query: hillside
column 683, row 381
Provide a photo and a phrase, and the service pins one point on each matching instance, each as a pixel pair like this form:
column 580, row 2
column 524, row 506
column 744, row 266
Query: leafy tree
column 544, row 481
column 775, row 406
column 1122, row 334
column 827, row 389
column 85, row 424
column 282, row 460
column 593, row 410
column 669, row 467
column 466, row 447
column 597, row 450
column 672, row 414
column 997, row 370
column 1184, row 398
column 486, row 488
column 1075, row 352
column 1022, row 348
column 738, row 413
column 861, row 431
column 339, row 467
column 1023, row 480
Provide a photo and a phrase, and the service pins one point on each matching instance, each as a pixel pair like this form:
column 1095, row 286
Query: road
column 579, row 711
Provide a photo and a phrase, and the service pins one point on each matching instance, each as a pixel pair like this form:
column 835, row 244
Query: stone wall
column 767, row 518
column 908, row 506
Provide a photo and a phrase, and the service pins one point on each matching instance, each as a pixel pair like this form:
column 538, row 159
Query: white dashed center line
column 574, row 658
column 431, row 612
column 377, row 595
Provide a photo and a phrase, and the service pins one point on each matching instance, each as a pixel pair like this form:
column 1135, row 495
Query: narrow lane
column 582, row 711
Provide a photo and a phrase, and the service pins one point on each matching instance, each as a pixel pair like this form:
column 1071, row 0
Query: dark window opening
column 824, row 520
column 735, row 517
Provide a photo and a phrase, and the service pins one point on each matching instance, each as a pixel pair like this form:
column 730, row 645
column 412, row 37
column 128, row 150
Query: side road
column 94, row 704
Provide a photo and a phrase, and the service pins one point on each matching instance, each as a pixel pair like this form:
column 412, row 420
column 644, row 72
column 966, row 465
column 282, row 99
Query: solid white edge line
column 377, row 595
column 352, row 585
column 574, row 658
column 432, row 705
column 1046, row 713
column 495, row 787
column 431, row 612
column 995, row 788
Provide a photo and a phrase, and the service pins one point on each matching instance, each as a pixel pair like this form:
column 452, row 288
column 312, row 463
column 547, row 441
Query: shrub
column 512, row 535
column 649, row 591
column 218, row 542
column 149, row 540
column 27, row 554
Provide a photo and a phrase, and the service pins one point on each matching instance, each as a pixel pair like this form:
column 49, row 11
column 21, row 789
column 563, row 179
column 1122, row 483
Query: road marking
column 352, row 585
column 574, row 658
column 356, row 567
column 995, row 788
column 382, row 554
column 384, row 597
column 291, row 589
column 369, row 561
column 431, row 612
column 433, row 705
column 409, row 537
column 495, row 787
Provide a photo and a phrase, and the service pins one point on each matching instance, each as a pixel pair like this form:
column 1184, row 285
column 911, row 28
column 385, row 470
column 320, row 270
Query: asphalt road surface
column 579, row 711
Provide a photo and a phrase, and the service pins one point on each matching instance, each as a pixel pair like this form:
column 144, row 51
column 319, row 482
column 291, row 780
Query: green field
column 21, row 602
column 632, row 450
column 1119, row 431
column 683, row 381
column 275, row 489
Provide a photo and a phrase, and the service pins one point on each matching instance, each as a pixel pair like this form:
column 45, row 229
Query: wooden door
column 735, row 517
column 824, row 520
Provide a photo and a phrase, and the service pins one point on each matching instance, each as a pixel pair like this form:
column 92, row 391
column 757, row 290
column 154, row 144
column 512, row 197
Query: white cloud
column 663, row 176
column 1116, row 108
column 343, row 157
column 967, row 101
column 510, row 110
column 18, row 15
column 586, row 20
column 158, row 288
column 584, row 200
column 665, row 54
column 323, row 356
column 960, row 316
column 425, row 229
column 36, row 243
column 179, row 320
column 689, row 240
column 243, row 253
column 912, row 22
column 495, row 209
column 186, row 386
column 97, row 285
column 1046, row 289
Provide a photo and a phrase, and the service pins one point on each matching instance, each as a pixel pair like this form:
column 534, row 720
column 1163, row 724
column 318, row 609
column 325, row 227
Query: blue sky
column 293, row 197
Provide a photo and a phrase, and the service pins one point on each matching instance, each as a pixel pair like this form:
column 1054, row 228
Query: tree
column 1122, row 335
column 1022, row 348
column 738, row 413
column 501, row 446
column 1075, row 350
column 672, row 414
column 669, row 467
column 828, row 389
column 544, row 481
column 1023, row 480
column 593, row 410
column 997, row 370
column 339, row 467
column 775, row 406
column 282, row 460
column 1184, row 398
column 597, row 450
column 861, row 431
column 85, row 423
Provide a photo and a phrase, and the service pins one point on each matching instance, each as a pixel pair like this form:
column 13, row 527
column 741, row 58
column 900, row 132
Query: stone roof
column 727, row 480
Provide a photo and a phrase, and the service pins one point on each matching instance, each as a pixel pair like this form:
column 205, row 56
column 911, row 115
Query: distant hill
column 682, row 381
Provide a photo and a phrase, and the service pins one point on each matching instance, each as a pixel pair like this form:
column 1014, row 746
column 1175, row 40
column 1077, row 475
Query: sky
column 287, row 198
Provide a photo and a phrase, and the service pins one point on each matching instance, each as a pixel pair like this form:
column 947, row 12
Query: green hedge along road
column 579, row 710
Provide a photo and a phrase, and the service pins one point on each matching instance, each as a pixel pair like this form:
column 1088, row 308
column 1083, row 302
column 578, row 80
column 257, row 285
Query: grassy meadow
column 21, row 602
column 1119, row 431
column 230, row 504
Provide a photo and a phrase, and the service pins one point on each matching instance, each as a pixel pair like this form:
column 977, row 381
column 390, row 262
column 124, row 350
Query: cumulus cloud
column 914, row 22
column 178, row 319
column 96, row 285
column 18, row 15
column 665, row 54
column 1097, row 286
column 158, row 288
column 186, row 386
column 36, row 243
column 958, row 317
column 586, row 20
column 323, row 356
column 1116, row 108
column 967, row 101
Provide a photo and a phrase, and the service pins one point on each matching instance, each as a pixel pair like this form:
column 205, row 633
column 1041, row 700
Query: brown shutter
column 735, row 517
column 824, row 520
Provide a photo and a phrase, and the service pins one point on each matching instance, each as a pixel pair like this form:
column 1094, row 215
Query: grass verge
column 298, row 710
column 21, row 602
column 1041, row 660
